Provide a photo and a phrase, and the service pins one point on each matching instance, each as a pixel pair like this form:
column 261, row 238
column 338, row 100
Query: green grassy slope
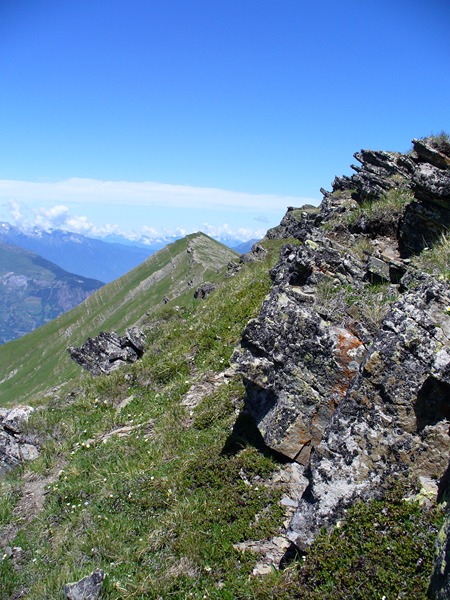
column 31, row 365
column 160, row 508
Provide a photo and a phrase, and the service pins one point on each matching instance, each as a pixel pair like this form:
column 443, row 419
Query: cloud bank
column 65, row 204
column 144, row 193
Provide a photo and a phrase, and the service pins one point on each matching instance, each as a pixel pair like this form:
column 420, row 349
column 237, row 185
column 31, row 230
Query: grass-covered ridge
column 33, row 291
column 31, row 365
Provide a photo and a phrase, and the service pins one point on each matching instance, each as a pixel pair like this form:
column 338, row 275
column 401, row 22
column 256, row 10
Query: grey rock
column 108, row 351
column 15, row 446
column 296, row 365
column 425, row 152
column 204, row 290
column 13, row 419
column 88, row 588
column 296, row 223
column 257, row 252
column 431, row 184
column 394, row 418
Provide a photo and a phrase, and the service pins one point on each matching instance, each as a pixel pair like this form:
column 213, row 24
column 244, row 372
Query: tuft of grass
column 439, row 141
column 436, row 260
column 385, row 209
column 391, row 203
column 370, row 302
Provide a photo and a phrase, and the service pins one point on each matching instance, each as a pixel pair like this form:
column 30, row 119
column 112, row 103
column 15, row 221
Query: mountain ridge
column 284, row 436
column 116, row 305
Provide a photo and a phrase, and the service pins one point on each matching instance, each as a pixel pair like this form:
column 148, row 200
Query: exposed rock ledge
column 108, row 351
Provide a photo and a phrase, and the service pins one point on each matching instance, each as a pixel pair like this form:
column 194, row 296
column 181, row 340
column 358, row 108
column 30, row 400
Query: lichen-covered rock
column 108, row 351
column 88, row 588
column 394, row 418
column 296, row 364
column 15, row 446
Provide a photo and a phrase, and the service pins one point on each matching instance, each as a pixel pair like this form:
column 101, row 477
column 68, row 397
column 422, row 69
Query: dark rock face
column 15, row 446
column 204, row 290
column 352, row 382
column 108, row 351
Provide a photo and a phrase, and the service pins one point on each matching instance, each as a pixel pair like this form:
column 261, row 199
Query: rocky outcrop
column 204, row 290
column 395, row 416
column 108, row 351
column 428, row 217
column 347, row 366
column 15, row 446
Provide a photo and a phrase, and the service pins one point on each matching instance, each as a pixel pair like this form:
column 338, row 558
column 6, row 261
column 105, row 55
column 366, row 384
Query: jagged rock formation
column 108, row 351
column 15, row 446
column 347, row 366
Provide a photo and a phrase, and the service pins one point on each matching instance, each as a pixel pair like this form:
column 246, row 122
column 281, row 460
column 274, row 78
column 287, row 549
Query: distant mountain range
column 76, row 253
column 34, row 291
column 104, row 260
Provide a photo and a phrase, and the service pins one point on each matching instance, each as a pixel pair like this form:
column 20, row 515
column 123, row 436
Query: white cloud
column 145, row 193
column 60, row 217
column 16, row 210
column 224, row 232
column 60, row 205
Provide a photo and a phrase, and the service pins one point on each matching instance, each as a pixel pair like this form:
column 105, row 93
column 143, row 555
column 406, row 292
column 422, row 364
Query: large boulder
column 108, row 351
column 297, row 365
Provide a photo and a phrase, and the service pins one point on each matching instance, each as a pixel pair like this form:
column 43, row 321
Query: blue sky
column 180, row 115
